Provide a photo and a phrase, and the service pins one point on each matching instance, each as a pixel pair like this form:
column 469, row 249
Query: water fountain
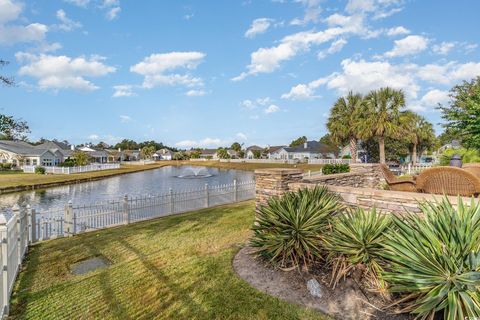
column 196, row 173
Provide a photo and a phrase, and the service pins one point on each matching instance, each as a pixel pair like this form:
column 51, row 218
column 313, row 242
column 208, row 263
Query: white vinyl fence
column 414, row 169
column 22, row 226
column 14, row 234
column 289, row 161
column 71, row 170
column 330, row 161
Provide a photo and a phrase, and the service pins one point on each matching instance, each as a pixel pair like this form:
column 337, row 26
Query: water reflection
column 135, row 184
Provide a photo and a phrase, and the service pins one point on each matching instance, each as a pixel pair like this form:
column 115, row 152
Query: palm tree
column 381, row 116
column 417, row 130
column 342, row 122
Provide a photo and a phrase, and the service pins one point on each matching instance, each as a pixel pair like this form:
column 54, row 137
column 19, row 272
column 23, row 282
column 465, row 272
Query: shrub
column 39, row 170
column 335, row 168
column 5, row 166
column 468, row 155
column 347, row 156
column 355, row 245
column 434, row 260
column 288, row 230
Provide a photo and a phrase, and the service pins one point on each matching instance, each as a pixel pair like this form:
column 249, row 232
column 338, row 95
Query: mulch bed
column 347, row 301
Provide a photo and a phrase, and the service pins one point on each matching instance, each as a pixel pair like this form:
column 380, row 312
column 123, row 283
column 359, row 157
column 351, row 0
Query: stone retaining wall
column 360, row 175
column 350, row 187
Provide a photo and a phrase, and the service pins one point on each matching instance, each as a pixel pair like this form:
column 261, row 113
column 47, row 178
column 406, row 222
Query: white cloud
column 271, row 109
column 443, row 48
column 67, row 24
column 258, row 26
column 79, row 3
column 252, row 104
column 124, row 90
column 379, row 8
column 299, row 92
column 266, row 60
column 335, row 47
column 62, row 72
column 113, row 13
column 94, row 137
column 397, row 31
column 407, row 46
column 11, row 32
column 241, row 136
column 430, row 100
column 125, row 119
column 312, row 12
column 196, row 93
column 155, row 69
column 207, row 142
column 9, row 11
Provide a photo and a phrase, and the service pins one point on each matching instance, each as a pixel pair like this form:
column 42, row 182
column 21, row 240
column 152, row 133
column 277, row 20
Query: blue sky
column 207, row 73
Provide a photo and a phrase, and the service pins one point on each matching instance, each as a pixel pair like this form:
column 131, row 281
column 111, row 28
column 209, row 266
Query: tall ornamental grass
column 434, row 261
column 288, row 230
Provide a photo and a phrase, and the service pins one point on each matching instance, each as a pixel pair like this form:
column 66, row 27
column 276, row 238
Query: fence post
column 409, row 168
column 32, row 224
column 69, row 227
column 170, row 199
column 4, row 238
column 17, row 213
column 126, row 211
column 207, row 202
column 235, row 188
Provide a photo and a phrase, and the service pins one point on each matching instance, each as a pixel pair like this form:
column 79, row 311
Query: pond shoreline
column 82, row 179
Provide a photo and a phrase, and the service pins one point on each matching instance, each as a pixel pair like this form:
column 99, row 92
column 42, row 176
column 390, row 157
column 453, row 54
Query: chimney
column 305, row 145
column 72, row 147
column 119, row 149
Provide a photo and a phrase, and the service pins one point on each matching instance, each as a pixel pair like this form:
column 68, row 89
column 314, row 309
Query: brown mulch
column 347, row 301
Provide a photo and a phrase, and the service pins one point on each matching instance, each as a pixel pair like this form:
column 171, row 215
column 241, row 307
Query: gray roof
column 312, row 147
column 208, row 151
column 56, row 145
column 21, row 147
column 254, row 147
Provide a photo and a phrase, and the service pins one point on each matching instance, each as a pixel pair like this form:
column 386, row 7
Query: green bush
column 434, row 261
column 335, row 168
column 347, row 156
column 39, row 170
column 468, row 155
column 355, row 245
column 288, row 230
column 5, row 166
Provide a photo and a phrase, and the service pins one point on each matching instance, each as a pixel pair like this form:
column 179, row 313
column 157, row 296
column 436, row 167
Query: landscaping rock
column 314, row 288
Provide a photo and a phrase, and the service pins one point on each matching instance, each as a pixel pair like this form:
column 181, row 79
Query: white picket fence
column 288, row 161
column 14, row 234
column 27, row 225
column 414, row 169
column 78, row 169
column 330, row 161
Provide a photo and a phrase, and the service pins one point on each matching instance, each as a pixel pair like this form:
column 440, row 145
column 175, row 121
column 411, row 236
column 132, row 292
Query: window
column 27, row 162
column 34, row 162
column 47, row 162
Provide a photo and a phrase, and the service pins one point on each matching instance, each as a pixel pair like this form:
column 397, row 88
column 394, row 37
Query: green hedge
column 39, row 170
column 335, row 168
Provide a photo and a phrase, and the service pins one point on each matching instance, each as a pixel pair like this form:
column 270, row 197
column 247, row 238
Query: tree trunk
column 353, row 149
column 414, row 155
column 381, row 145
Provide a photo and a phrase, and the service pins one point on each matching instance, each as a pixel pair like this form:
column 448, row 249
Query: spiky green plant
column 434, row 260
column 355, row 244
column 288, row 230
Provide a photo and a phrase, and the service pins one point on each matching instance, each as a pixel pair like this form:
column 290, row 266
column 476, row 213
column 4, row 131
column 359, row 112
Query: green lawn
column 176, row 267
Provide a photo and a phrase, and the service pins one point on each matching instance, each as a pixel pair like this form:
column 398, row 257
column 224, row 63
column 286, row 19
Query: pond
column 142, row 183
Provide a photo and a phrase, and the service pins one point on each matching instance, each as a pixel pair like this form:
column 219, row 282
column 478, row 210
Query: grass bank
column 26, row 181
column 177, row 267
column 252, row 166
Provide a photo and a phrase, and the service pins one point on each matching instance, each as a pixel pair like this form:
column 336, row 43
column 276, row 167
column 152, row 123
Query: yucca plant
column 288, row 229
column 434, row 260
column 355, row 244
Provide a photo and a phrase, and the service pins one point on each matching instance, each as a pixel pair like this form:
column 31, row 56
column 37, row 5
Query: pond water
column 142, row 183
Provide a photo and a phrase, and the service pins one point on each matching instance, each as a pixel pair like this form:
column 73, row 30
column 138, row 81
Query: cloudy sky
column 207, row 73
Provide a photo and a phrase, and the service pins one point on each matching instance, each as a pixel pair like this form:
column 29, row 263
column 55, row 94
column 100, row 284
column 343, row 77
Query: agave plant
column 435, row 261
column 355, row 244
column 288, row 229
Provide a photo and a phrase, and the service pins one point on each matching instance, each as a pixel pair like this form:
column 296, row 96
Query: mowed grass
column 31, row 179
column 249, row 166
column 177, row 267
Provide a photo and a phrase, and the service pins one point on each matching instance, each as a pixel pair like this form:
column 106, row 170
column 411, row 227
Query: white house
column 21, row 153
column 98, row 156
column 163, row 154
column 308, row 150
column 250, row 154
